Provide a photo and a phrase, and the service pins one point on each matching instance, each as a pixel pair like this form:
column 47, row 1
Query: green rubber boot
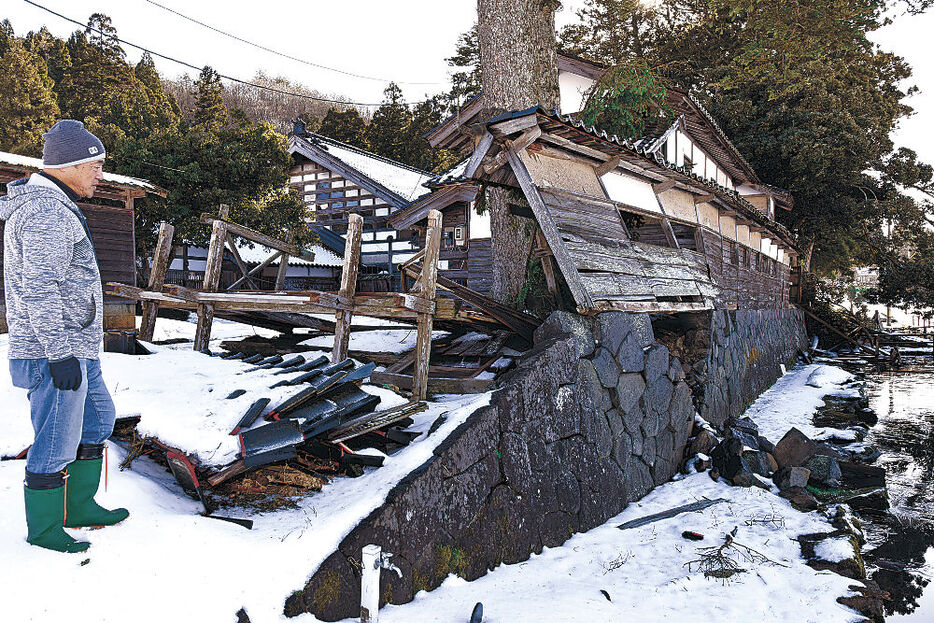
column 45, row 511
column 81, row 511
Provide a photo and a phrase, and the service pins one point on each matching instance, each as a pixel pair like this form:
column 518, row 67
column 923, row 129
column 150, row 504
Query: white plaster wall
column 572, row 88
column 630, row 190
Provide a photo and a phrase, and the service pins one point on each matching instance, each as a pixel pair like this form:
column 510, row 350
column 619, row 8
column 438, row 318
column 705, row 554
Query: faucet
column 384, row 563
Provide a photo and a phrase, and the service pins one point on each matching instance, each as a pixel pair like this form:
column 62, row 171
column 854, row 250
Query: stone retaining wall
column 745, row 350
column 594, row 416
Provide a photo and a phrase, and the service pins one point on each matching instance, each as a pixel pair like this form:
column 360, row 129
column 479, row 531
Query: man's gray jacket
column 52, row 286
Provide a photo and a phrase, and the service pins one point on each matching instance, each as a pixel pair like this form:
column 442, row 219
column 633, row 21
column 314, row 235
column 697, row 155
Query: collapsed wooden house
column 110, row 214
column 672, row 222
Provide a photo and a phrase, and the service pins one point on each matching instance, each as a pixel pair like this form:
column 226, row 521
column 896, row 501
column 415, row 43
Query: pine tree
column 52, row 49
column 28, row 107
column 346, row 126
column 210, row 110
column 465, row 83
column 386, row 134
column 6, row 36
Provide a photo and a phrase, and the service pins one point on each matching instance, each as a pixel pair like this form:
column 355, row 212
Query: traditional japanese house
column 336, row 179
column 110, row 215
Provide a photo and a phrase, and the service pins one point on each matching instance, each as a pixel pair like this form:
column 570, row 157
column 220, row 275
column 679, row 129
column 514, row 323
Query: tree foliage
column 807, row 98
column 28, row 106
column 346, row 126
column 624, row 99
column 217, row 156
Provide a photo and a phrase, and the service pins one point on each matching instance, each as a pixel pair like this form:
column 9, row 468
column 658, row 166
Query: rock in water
column 795, row 448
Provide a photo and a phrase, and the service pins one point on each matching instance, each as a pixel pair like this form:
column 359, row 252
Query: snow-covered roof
column 258, row 253
column 36, row 164
column 403, row 180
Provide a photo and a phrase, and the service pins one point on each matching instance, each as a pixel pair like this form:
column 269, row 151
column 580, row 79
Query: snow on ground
column 793, row 399
column 376, row 341
column 169, row 329
column 644, row 570
column 166, row 563
column 834, row 550
column 180, row 395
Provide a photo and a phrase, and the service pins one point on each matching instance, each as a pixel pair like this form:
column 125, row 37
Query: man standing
column 54, row 308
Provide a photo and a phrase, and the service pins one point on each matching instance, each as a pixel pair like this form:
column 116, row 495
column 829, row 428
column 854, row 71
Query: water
column 902, row 550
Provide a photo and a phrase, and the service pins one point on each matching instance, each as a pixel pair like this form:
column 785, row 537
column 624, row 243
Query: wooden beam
column 607, row 166
column 428, row 288
column 665, row 186
column 479, row 152
column 232, row 245
column 212, row 277
column 549, row 229
column 348, row 286
column 261, row 238
column 269, row 260
column 670, row 233
column 826, row 324
column 547, row 262
column 162, row 257
column 516, row 124
column 699, row 199
column 525, row 139
column 282, row 272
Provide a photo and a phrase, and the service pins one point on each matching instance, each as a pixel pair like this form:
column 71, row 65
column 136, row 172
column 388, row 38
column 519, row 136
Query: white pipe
column 369, row 584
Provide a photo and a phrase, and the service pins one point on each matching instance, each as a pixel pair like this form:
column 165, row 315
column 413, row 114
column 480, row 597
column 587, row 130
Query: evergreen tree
column 27, row 107
column 53, row 50
column 386, row 134
column 6, row 36
column 346, row 126
column 425, row 116
column 465, row 83
column 210, row 110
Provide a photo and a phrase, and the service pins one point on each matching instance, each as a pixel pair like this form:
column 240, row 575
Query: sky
column 404, row 41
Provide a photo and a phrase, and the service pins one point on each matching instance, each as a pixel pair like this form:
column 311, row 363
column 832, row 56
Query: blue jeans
column 63, row 419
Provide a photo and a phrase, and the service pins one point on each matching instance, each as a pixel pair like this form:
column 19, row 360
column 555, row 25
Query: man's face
column 86, row 177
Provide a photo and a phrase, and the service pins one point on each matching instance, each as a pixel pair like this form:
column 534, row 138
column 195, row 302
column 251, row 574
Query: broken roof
column 395, row 183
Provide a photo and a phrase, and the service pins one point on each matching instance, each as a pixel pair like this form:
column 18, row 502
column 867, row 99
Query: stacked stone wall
column 594, row 417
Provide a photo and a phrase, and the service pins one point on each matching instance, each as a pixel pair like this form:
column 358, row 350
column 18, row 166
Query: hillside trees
column 28, row 106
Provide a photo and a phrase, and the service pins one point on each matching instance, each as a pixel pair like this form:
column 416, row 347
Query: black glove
column 66, row 374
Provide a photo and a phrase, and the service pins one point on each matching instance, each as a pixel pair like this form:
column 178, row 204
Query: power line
column 226, row 77
column 282, row 54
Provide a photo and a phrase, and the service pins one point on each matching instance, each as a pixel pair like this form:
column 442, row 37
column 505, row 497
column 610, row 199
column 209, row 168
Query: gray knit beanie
column 67, row 143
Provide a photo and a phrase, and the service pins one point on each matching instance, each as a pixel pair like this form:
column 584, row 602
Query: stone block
column 629, row 388
column 517, row 465
column 567, row 492
column 825, row 470
column 744, row 424
column 750, row 441
column 638, row 479
column 607, row 370
column 758, row 462
column 704, row 443
column 791, row 478
column 560, row 323
column 656, row 362
column 675, row 370
column 631, row 355
column 801, row 498
column 590, row 391
column 632, row 419
column 612, row 328
column 658, row 396
column 795, row 448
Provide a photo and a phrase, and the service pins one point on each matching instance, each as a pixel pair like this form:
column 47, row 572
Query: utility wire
column 282, row 54
column 226, row 77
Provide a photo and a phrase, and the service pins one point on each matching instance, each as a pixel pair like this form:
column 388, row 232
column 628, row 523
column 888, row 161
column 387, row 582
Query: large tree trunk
column 518, row 66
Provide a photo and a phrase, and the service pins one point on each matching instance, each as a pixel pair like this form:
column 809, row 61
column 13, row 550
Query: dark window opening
column 686, row 235
column 645, row 229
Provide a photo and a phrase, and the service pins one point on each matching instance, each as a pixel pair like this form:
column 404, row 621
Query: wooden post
column 348, row 286
column 160, row 264
column 212, row 277
column 428, row 286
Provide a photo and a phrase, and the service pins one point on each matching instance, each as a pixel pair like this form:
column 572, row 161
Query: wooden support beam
column 348, row 285
column 607, row 166
column 826, row 324
column 261, row 238
column 232, row 245
column 516, row 124
column 699, row 199
column 269, row 260
column 479, row 152
column 547, row 262
column 428, row 282
column 665, row 186
column 670, row 234
column 525, row 139
column 212, row 277
column 162, row 257
column 549, row 229
column 282, row 272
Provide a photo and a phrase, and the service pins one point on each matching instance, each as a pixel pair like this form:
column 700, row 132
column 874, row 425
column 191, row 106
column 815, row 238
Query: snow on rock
column 644, row 570
column 792, row 400
column 835, row 549
column 167, row 563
